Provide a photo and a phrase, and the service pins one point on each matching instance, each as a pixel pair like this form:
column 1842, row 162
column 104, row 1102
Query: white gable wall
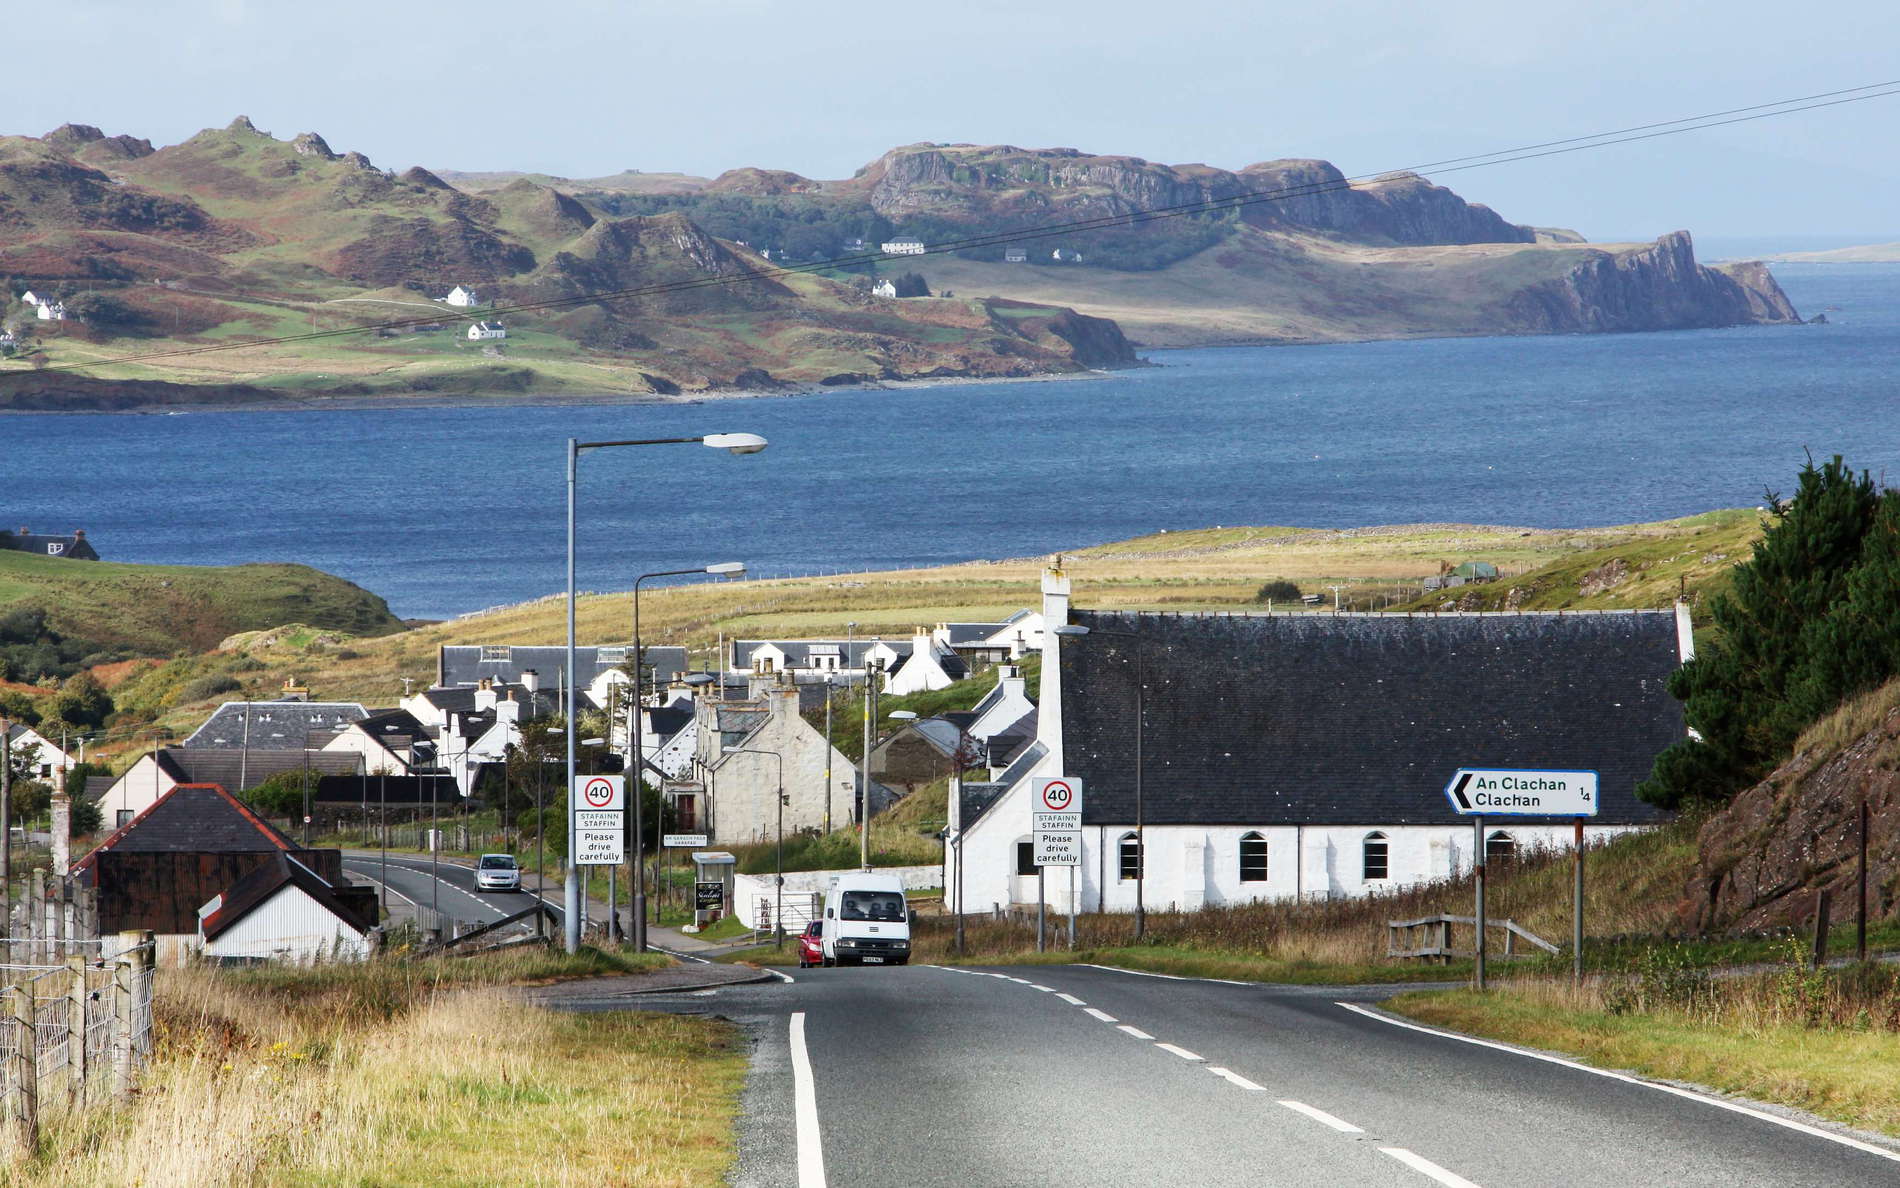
column 290, row 926
column 135, row 791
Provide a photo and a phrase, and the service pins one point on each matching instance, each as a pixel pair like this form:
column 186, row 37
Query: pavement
column 1080, row 1075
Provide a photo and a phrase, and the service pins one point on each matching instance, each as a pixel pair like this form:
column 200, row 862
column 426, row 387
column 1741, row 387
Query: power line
column 1549, row 148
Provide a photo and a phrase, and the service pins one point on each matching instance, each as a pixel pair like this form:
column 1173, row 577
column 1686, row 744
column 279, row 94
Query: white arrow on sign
column 1511, row 792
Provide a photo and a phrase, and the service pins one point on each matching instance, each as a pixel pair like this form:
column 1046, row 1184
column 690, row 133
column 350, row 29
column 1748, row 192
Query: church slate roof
column 1361, row 719
column 469, row 664
column 272, row 725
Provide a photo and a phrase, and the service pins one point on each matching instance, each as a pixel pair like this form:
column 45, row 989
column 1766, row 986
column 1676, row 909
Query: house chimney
column 530, row 680
column 509, row 710
column 1055, row 613
column 79, row 534
column 485, row 696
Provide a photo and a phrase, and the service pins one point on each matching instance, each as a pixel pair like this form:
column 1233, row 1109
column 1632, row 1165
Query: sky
column 592, row 87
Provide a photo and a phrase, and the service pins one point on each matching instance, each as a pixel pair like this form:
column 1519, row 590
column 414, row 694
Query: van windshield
column 872, row 905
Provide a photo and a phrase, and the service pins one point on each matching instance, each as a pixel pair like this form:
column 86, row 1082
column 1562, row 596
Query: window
column 686, row 813
column 1025, row 858
column 501, row 652
column 764, row 664
column 1374, row 860
column 1253, row 858
column 1130, row 856
column 1499, row 847
column 124, row 817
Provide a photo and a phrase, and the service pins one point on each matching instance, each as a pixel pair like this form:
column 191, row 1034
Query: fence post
column 1822, row 903
column 124, row 983
column 76, row 1033
column 23, row 1079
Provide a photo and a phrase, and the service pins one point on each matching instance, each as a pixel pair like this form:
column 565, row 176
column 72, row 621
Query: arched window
column 1499, row 847
column 1130, row 856
column 1373, row 856
column 1253, row 858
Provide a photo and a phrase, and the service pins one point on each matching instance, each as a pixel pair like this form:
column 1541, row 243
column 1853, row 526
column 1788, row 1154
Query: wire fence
column 75, row 1028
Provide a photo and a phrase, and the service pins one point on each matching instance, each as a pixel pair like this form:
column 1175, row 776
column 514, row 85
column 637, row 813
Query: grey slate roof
column 193, row 819
column 977, row 798
column 468, row 664
column 241, row 770
column 798, row 652
column 1361, row 719
column 272, row 725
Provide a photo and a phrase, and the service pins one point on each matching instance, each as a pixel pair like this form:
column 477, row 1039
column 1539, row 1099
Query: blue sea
column 448, row 510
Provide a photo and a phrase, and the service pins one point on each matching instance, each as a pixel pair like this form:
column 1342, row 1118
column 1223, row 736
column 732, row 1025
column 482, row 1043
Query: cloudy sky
column 590, row 87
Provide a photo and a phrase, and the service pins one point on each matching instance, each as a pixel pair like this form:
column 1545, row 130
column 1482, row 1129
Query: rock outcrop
column 1766, row 855
column 1657, row 288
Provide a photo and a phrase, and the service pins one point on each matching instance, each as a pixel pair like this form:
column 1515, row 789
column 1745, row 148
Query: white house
column 482, row 331
column 393, row 742
column 738, row 802
column 462, row 297
column 29, row 298
column 811, row 661
column 884, row 288
column 51, row 311
column 47, row 755
column 155, row 773
column 991, row 643
column 281, row 911
column 1015, row 255
column 903, row 245
column 1303, row 755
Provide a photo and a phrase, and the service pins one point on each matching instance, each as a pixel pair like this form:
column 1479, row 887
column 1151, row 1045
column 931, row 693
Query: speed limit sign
column 1058, row 794
column 600, row 792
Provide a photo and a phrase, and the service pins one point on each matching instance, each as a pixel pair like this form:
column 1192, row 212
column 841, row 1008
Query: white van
column 866, row 920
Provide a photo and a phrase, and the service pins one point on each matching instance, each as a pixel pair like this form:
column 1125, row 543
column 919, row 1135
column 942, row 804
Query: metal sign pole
column 1576, row 923
column 1072, row 909
column 1041, row 903
column 1478, row 832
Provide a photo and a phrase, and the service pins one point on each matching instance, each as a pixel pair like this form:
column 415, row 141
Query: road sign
column 1057, row 839
column 709, row 896
column 600, row 792
column 600, row 837
column 683, row 839
column 1507, row 792
column 1057, row 794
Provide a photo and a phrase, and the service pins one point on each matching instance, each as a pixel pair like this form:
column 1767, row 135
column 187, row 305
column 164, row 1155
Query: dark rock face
column 1659, row 288
column 1097, row 342
column 1766, row 856
column 1401, row 209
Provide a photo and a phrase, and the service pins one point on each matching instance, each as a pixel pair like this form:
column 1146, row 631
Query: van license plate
column 874, row 960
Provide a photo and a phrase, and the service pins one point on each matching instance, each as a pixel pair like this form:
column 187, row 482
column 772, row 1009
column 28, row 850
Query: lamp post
column 637, row 878
column 864, row 778
column 778, row 910
column 737, row 443
column 1141, row 839
column 908, row 716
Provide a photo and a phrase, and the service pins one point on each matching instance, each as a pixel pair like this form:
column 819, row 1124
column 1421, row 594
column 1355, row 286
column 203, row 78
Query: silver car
column 497, row 872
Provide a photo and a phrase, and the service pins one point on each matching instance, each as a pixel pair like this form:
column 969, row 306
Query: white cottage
column 282, row 911
column 462, row 297
column 1305, row 755
column 483, row 331
column 884, row 288
column 903, row 245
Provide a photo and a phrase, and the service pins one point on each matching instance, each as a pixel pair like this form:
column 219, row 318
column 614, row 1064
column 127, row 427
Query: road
column 410, row 886
column 1077, row 1075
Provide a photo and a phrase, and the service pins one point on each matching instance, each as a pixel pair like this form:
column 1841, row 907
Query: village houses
column 485, row 331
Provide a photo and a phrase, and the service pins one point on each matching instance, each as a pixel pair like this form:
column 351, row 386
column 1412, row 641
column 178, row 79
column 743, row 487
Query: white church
column 1305, row 755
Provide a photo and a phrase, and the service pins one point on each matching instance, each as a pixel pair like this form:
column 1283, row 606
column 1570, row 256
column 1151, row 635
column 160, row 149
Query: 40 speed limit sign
column 600, row 792
column 1057, row 794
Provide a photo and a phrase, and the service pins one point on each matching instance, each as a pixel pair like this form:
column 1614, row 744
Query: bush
column 1277, row 590
column 206, row 687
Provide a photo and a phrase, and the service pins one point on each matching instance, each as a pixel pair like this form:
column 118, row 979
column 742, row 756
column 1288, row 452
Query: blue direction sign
column 1509, row 792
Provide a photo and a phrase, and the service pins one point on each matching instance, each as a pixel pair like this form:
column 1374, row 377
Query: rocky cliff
column 1766, row 855
column 1657, row 288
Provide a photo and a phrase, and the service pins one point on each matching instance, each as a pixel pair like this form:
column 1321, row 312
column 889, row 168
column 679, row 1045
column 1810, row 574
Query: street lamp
column 778, row 911
column 911, row 716
column 637, row 880
column 1141, row 839
column 737, row 443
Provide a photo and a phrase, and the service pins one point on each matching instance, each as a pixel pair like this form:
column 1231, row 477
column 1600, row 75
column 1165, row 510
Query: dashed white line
column 1104, row 1016
column 1419, row 1163
column 811, row 1151
column 1071, row 999
column 1229, row 1075
column 1137, row 1032
column 1322, row 1117
column 1044, row 989
column 1717, row 1102
column 1183, row 1053
column 1020, row 981
column 1145, row 973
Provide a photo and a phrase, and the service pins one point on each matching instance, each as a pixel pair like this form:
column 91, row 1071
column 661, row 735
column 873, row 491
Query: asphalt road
column 1074, row 1075
column 409, row 880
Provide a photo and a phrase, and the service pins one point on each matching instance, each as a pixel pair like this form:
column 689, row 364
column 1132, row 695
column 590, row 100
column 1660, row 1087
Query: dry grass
column 388, row 1074
column 1826, row 1041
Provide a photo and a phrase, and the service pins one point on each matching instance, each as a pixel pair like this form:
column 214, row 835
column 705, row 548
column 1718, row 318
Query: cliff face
column 1660, row 287
column 1767, row 854
column 1399, row 209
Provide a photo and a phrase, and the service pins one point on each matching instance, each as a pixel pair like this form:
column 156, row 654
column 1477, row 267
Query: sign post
column 598, row 806
column 1478, row 792
column 1056, row 815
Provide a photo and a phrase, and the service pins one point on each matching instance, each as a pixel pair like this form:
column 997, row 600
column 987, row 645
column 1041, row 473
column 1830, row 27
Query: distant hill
column 1866, row 253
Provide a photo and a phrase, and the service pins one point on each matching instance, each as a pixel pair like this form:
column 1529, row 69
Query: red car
column 811, row 945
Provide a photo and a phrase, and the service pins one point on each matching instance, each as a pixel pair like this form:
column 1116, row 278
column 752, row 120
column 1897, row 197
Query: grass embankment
column 408, row 1073
column 1826, row 1041
column 906, row 835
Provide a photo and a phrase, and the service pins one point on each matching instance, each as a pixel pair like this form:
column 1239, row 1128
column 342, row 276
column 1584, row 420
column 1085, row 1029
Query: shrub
column 1277, row 590
column 206, row 687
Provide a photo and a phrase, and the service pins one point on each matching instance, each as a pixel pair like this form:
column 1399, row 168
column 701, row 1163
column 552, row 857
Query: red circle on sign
column 1057, row 796
column 598, row 793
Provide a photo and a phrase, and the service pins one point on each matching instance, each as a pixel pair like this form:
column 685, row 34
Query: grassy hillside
column 161, row 610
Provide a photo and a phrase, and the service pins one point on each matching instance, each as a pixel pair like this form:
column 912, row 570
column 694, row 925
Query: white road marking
column 1322, row 1117
column 1104, row 1016
column 784, row 977
column 1183, row 1053
column 1228, row 1074
column 1143, row 973
column 1419, row 1163
column 1733, row 1107
column 1071, row 999
column 811, row 1151
column 1044, row 989
column 1020, row 981
column 1137, row 1032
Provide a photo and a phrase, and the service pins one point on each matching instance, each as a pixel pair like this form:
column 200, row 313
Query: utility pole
column 871, row 674
column 828, row 752
column 6, row 824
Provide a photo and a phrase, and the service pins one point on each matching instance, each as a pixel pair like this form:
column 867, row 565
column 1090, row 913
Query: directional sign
column 600, row 792
column 1506, row 792
column 683, row 839
column 1057, row 794
column 1058, row 839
